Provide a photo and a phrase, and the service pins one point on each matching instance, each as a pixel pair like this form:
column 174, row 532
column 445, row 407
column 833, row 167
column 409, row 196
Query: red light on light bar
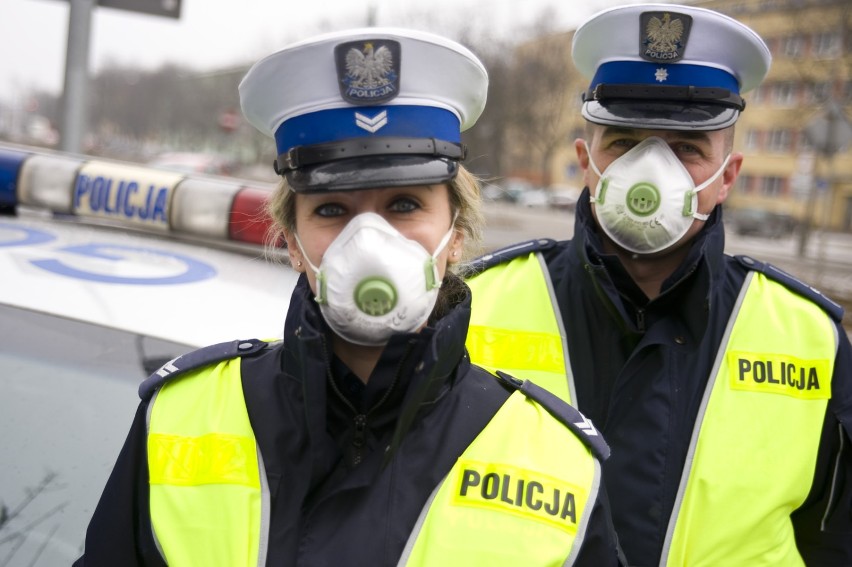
column 249, row 221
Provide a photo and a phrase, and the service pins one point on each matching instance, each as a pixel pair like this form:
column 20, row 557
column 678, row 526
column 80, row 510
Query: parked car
column 108, row 271
column 508, row 190
column 193, row 163
column 760, row 222
column 535, row 197
column 563, row 198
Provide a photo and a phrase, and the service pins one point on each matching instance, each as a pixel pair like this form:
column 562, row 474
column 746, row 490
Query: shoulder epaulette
column 563, row 411
column 510, row 252
column 834, row 309
column 198, row 359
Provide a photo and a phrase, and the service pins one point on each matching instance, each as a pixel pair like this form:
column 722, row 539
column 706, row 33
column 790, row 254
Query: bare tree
column 542, row 102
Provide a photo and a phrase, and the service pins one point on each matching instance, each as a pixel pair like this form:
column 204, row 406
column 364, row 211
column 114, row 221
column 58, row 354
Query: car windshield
column 69, row 396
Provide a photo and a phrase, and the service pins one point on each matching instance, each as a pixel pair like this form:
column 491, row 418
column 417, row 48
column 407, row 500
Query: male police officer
column 723, row 385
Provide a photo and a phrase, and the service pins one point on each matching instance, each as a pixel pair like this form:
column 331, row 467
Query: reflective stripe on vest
column 209, row 504
column 514, row 326
column 755, row 443
column 512, row 498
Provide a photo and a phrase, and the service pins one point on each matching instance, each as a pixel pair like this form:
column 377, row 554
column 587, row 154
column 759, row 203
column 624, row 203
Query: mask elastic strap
column 431, row 268
column 592, row 198
column 320, row 296
column 703, row 216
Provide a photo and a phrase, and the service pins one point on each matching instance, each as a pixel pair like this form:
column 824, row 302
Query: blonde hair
column 465, row 201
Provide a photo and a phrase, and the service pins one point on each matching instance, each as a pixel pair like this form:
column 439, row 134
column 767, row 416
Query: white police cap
column 667, row 66
column 371, row 107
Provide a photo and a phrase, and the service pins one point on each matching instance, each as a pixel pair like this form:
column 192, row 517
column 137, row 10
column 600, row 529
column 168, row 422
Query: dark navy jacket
column 640, row 368
column 341, row 494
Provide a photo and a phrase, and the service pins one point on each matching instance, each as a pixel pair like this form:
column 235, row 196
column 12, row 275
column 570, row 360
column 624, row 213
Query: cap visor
column 660, row 115
column 371, row 173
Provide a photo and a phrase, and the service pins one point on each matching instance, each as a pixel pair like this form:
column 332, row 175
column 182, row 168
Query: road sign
column 830, row 131
column 166, row 8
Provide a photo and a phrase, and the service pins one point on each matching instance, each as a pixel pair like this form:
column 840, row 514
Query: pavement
column 825, row 265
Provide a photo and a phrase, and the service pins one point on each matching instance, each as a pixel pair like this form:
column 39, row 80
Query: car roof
column 192, row 271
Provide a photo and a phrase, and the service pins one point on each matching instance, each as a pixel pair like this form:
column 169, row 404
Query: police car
column 108, row 270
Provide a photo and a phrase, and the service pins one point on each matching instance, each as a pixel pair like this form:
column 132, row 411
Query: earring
column 455, row 253
column 299, row 264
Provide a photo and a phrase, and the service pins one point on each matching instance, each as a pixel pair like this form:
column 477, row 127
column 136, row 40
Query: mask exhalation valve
column 375, row 296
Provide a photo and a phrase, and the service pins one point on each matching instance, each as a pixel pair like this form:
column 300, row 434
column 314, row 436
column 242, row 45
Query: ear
column 294, row 252
column 729, row 176
column 589, row 175
column 582, row 153
column 455, row 247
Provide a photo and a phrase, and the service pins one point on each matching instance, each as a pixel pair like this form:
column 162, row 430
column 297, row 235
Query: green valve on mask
column 375, row 296
column 643, row 199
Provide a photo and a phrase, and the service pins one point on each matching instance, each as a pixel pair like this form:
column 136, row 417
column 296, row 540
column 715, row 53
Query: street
column 827, row 265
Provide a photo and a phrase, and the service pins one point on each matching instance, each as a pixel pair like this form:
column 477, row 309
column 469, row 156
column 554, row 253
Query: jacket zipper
column 359, row 438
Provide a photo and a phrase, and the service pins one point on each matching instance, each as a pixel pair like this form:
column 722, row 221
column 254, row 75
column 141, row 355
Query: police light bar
column 134, row 196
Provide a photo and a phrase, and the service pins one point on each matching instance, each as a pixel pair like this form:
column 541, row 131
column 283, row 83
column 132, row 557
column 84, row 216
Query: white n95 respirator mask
column 646, row 200
column 374, row 282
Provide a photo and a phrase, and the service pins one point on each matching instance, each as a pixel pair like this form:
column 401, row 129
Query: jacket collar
column 430, row 369
column 696, row 280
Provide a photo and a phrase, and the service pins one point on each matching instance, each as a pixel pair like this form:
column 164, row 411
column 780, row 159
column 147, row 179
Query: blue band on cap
column 357, row 122
column 680, row 75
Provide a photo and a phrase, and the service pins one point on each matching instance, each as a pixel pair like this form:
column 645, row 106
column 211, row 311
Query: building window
column 809, row 93
column 752, row 140
column 846, row 91
column 745, row 183
column 822, row 91
column 827, row 44
column 793, row 46
column 784, row 94
column 772, row 186
column 804, row 144
column 779, row 141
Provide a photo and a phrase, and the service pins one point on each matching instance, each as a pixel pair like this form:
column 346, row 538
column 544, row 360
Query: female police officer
column 365, row 437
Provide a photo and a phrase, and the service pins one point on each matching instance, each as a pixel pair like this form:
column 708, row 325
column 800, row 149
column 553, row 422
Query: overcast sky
column 212, row 34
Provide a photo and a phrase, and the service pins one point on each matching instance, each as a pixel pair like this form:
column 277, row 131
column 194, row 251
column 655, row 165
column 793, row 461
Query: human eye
column 620, row 146
column 687, row 151
column 330, row 209
column 623, row 142
column 404, row 204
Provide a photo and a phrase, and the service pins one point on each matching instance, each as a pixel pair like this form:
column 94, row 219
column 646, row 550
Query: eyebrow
column 681, row 134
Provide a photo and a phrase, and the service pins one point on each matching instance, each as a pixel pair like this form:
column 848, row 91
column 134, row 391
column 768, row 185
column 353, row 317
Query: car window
column 68, row 398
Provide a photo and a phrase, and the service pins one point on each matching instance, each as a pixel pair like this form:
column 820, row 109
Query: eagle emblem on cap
column 664, row 36
column 368, row 71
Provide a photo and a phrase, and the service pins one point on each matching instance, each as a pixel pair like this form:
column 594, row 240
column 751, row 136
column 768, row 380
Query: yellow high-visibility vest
column 753, row 451
column 209, row 500
column 509, row 499
column 515, row 325
column 754, row 447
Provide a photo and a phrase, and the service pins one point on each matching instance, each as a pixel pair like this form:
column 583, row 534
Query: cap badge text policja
column 368, row 70
column 663, row 36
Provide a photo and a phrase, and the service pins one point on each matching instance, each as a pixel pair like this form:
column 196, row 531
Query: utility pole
column 75, row 117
